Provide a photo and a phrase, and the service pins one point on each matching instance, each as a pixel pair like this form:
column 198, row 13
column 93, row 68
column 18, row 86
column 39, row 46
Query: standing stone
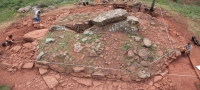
column 51, row 81
column 147, row 42
column 78, row 69
column 110, row 17
column 28, row 65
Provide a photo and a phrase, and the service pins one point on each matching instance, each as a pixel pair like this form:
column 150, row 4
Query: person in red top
column 9, row 40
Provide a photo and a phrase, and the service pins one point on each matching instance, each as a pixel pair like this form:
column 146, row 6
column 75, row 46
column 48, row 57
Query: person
column 37, row 16
column 9, row 40
column 187, row 49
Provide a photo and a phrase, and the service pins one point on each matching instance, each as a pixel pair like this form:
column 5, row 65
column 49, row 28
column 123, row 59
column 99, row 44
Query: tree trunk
column 152, row 6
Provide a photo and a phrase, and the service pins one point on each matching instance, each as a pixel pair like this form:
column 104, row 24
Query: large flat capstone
column 36, row 34
column 110, row 17
column 130, row 24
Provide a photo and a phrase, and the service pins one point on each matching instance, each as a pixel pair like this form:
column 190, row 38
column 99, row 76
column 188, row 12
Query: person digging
column 9, row 41
column 187, row 49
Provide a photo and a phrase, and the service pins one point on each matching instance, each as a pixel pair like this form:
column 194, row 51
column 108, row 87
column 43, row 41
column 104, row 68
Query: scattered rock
column 137, row 39
column 144, row 63
column 126, row 78
column 131, row 68
column 28, row 65
column 57, row 68
column 178, row 53
column 157, row 85
column 37, row 65
column 84, row 39
column 78, row 69
column 88, row 32
column 15, row 65
column 78, row 74
column 5, row 65
column 150, row 83
column 16, row 48
column 48, row 40
column 115, row 84
column 10, row 69
column 40, row 55
column 110, row 16
column 57, row 28
column 130, row 53
column 87, row 82
column 157, row 78
column 36, row 34
column 160, row 53
column 143, row 74
column 143, row 53
column 24, row 9
column 147, row 42
column 78, row 47
column 96, row 83
column 27, row 45
column 98, row 74
column 20, row 65
column 42, row 71
column 152, row 23
column 51, row 81
column 93, row 53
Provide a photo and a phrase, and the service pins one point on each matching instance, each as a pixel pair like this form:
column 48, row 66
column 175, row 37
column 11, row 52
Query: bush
column 175, row 0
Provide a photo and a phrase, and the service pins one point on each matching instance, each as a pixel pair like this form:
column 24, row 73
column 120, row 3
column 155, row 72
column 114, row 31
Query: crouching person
column 9, row 41
column 186, row 50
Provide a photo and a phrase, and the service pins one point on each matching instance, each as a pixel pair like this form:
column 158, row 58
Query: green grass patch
column 9, row 8
column 4, row 87
column 60, row 47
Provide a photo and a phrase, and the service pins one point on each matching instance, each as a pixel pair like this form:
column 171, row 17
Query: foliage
column 9, row 7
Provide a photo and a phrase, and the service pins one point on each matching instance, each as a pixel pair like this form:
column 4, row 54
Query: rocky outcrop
column 110, row 17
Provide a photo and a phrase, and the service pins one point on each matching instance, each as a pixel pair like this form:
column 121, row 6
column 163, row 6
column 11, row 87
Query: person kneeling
column 187, row 49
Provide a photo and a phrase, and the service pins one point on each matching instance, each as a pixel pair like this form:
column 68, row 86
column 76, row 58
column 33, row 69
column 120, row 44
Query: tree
column 152, row 6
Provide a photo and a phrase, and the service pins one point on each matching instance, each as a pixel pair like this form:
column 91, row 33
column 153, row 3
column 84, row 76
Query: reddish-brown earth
column 31, row 80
